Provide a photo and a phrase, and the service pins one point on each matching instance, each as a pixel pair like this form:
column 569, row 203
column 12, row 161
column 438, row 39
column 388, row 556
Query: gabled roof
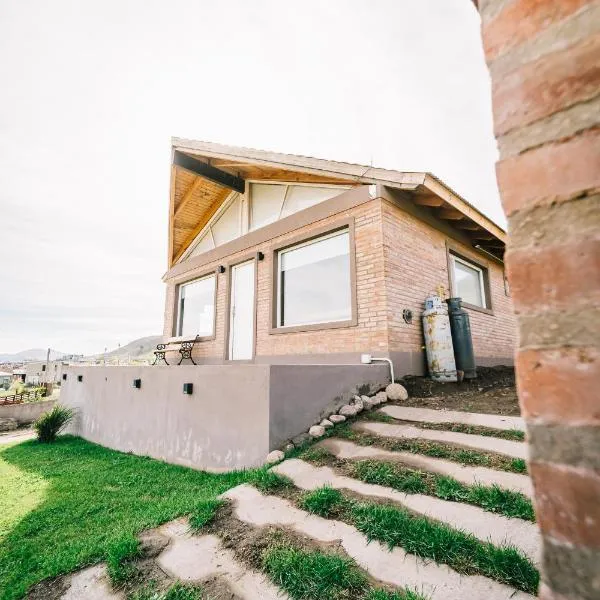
column 204, row 173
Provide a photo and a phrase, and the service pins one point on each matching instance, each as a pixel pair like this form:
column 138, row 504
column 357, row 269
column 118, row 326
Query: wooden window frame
column 313, row 236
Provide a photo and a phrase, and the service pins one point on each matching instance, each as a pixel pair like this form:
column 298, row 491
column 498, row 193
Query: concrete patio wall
column 236, row 414
column 222, row 425
column 27, row 412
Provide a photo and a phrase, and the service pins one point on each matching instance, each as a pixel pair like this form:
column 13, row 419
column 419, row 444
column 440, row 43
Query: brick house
column 283, row 259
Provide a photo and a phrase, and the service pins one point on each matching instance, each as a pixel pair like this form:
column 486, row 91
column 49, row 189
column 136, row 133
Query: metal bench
column 184, row 348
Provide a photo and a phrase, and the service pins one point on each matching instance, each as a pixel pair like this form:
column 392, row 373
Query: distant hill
column 33, row 354
column 140, row 348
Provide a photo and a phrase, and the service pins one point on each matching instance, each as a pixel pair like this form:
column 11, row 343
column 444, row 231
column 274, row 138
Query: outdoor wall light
column 220, row 269
column 260, row 256
column 79, row 377
column 64, row 376
column 137, row 383
column 188, row 388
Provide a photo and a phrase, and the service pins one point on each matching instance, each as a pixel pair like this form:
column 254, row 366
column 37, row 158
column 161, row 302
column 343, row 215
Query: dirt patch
column 493, row 392
column 215, row 588
column 50, row 589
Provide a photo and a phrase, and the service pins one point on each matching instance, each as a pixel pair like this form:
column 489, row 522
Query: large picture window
column 314, row 283
column 196, row 308
column 468, row 282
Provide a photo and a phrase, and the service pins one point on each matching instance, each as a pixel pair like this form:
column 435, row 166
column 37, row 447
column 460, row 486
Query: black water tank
column 462, row 341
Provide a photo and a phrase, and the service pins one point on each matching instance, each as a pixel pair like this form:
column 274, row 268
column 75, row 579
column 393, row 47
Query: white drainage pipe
column 367, row 359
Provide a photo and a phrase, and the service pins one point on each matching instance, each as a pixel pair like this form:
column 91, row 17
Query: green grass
column 312, row 575
column 434, row 450
column 204, row 513
column 506, row 434
column 178, row 591
column 429, row 539
column 491, row 498
column 461, row 551
column 322, row 501
column 73, row 503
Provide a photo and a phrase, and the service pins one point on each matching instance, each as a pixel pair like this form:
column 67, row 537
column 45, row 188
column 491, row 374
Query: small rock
column 300, row 439
column 274, row 457
column 356, row 398
column 289, row 447
column 337, row 418
column 367, row 404
column 382, row 397
column 326, row 423
column 395, row 391
column 316, row 431
column 358, row 405
column 347, row 410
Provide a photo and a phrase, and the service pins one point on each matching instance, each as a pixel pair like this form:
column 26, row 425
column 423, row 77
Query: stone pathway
column 477, row 442
column 484, row 525
column 465, row 474
column 428, row 415
column 197, row 558
column 394, row 567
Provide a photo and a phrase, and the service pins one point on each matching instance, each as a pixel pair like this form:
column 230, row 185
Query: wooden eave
column 195, row 198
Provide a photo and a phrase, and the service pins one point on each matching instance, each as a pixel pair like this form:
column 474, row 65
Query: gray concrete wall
column 304, row 394
column 27, row 412
column 222, row 426
column 235, row 416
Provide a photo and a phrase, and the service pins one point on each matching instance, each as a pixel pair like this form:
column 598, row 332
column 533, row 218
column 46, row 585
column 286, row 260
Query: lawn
column 71, row 503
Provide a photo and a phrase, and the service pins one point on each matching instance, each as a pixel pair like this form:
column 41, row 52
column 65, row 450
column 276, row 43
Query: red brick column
column 544, row 61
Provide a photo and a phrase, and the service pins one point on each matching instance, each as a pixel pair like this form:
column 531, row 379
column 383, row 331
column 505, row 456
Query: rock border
column 394, row 391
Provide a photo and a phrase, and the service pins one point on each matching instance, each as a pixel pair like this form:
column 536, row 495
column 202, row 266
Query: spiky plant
column 49, row 425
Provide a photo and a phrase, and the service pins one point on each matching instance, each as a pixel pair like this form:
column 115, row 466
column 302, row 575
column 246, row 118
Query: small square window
column 468, row 282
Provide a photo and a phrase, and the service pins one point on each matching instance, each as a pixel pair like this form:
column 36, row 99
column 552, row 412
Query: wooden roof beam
column 428, row 200
column 469, row 226
column 450, row 214
column 209, row 172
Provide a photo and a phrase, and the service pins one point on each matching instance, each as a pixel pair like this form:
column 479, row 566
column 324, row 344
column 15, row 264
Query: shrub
column 48, row 426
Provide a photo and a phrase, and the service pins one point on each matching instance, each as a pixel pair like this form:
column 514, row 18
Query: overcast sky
column 91, row 92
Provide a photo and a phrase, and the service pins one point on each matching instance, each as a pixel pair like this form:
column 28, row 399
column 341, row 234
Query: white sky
column 91, row 92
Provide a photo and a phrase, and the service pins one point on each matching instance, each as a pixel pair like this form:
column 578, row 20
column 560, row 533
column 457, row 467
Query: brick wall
column 369, row 335
column 544, row 60
column 399, row 260
column 416, row 264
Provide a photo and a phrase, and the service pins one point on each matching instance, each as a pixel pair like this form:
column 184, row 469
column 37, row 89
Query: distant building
column 37, row 373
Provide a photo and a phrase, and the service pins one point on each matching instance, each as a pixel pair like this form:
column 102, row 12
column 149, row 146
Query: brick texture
column 399, row 260
column 544, row 58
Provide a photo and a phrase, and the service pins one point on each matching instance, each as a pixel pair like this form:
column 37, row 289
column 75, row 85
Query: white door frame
column 231, row 337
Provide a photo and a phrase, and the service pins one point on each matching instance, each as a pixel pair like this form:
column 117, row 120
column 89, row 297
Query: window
column 196, row 314
column 468, row 282
column 264, row 204
column 43, row 367
column 314, row 283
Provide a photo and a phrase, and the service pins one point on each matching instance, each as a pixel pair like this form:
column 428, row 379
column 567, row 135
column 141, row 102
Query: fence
column 30, row 396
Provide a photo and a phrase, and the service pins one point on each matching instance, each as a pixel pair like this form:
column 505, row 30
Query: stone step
column 485, row 526
column 394, row 567
column 430, row 415
column 466, row 474
column 196, row 558
column 476, row 442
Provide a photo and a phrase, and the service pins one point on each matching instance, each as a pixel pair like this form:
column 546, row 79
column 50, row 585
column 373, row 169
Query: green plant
column 205, row 512
column 312, row 575
column 49, row 425
column 322, row 501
